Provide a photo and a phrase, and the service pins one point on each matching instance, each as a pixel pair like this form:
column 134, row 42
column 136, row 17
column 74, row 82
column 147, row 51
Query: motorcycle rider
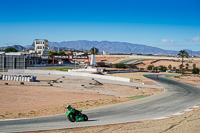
column 70, row 108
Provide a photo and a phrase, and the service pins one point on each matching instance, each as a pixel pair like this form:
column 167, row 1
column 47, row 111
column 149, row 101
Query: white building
column 42, row 48
column 105, row 53
column 78, row 53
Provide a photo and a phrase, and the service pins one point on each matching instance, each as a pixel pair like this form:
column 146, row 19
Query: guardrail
column 48, row 72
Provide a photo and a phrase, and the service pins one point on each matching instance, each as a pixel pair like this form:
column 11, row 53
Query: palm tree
column 182, row 54
column 174, row 68
column 170, row 66
column 94, row 50
column 194, row 65
column 187, row 65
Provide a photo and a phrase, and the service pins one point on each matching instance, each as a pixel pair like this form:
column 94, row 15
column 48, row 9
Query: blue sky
column 167, row 24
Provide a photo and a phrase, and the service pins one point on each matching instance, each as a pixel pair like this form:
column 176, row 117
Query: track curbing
column 179, row 113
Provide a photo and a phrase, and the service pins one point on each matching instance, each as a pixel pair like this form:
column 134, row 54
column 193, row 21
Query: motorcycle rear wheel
column 85, row 117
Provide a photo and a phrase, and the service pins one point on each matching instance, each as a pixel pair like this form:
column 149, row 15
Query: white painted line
column 188, row 110
column 15, row 119
column 178, row 113
column 160, row 118
column 195, row 107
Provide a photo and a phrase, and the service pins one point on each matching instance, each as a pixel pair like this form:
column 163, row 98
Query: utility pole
column 93, row 56
column 74, row 61
column 24, row 62
column 3, row 63
column 13, row 65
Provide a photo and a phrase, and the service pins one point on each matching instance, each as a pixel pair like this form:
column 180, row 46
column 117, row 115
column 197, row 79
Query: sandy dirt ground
column 35, row 99
column 186, row 123
column 166, row 63
column 192, row 80
column 103, row 59
column 144, row 64
column 135, row 77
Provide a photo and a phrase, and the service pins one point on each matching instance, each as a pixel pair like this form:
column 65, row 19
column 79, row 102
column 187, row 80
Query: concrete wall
column 83, row 70
column 47, row 72
column 148, row 57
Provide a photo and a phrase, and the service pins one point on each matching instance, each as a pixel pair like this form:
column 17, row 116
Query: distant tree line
column 182, row 54
column 11, row 49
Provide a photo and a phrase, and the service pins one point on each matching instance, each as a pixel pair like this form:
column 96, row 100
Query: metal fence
column 12, row 62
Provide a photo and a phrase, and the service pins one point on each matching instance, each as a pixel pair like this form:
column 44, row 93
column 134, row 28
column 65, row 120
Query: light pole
column 24, row 64
column 74, row 60
column 13, row 65
column 3, row 63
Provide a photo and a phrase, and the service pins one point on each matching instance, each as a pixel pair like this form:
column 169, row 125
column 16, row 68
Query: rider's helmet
column 69, row 107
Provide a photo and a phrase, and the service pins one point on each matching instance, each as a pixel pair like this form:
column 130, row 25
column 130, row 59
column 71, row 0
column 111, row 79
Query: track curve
column 176, row 97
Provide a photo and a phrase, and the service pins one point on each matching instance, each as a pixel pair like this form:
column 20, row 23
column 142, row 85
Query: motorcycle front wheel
column 71, row 117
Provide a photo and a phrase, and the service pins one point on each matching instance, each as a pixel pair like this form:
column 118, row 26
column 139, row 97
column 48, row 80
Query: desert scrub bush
column 96, row 103
column 2, row 116
column 150, row 67
column 59, row 69
column 138, row 96
column 120, row 65
column 177, row 76
column 141, row 69
column 20, row 114
column 137, row 79
column 32, row 112
column 8, row 113
column 195, row 70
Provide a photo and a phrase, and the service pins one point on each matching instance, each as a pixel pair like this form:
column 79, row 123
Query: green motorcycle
column 75, row 115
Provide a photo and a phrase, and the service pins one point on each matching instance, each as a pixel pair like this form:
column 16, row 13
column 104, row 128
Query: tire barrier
column 25, row 78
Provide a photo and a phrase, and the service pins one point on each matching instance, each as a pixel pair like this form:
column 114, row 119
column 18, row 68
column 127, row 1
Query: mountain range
column 17, row 47
column 110, row 47
column 115, row 47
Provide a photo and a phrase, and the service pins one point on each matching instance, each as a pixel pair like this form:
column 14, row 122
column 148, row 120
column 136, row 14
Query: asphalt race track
column 176, row 97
